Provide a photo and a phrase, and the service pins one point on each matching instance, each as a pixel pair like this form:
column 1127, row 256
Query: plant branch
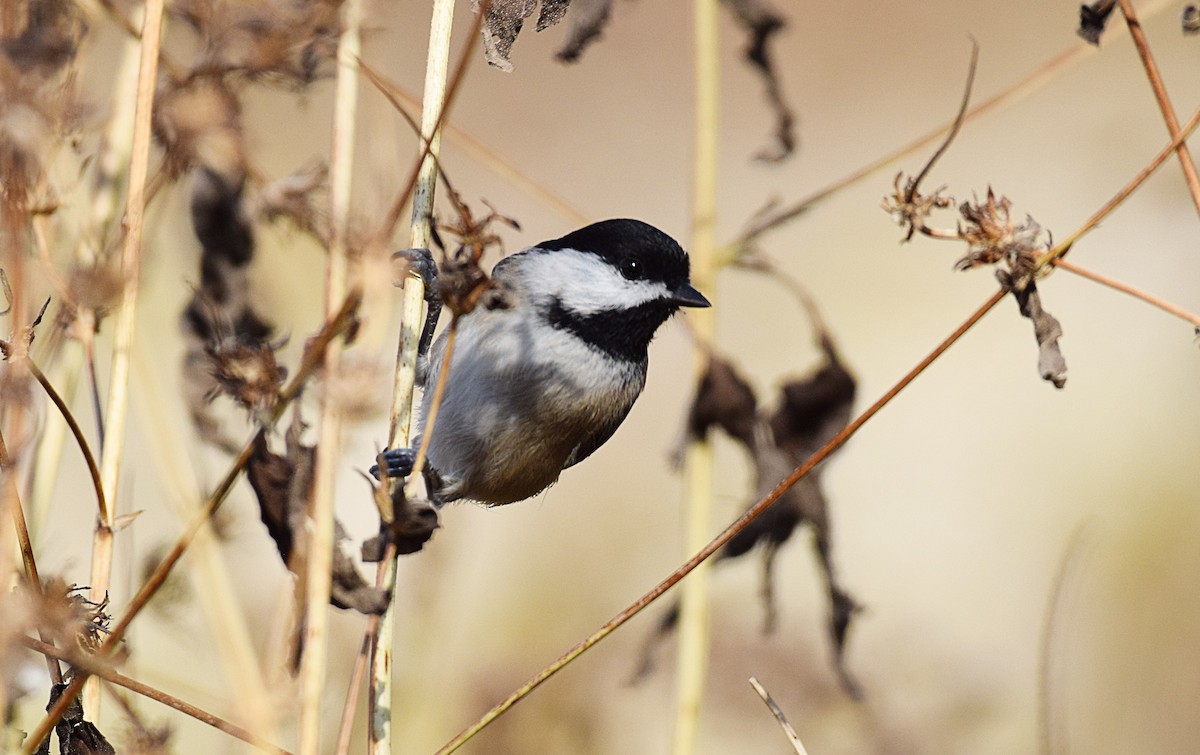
column 776, row 218
column 31, row 571
column 318, row 553
column 311, row 360
column 116, row 414
column 1125, row 288
column 1064, row 246
column 955, row 125
column 401, row 100
column 101, row 670
column 1160, row 94
column 725, row 536
column 437, row 98
column 776, row 711
column 76, row 430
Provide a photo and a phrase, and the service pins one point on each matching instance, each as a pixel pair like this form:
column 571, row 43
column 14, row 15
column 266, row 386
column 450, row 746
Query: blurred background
column 953, row 511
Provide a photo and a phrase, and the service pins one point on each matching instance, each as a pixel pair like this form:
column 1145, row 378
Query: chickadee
column 535, row 386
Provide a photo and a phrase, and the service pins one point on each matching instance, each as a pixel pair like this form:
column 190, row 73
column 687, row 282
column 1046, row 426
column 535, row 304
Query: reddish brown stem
column 1125, row 288
column 309, row 363
column 99, row 669
column 1160, row 94
column 720, row 540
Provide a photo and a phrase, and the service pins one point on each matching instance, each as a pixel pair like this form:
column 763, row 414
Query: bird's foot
column 398, row 462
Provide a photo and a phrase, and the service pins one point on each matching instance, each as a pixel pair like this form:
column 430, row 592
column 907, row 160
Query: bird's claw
column 421, row 262
column 397, row 461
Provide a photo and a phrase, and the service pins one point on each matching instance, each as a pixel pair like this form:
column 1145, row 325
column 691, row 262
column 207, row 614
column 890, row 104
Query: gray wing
column 589, row 444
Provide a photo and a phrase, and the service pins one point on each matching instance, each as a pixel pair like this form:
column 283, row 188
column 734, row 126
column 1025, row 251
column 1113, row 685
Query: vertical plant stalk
column 116, row 413
column 1160, row 94
column 437, row 66
column 318, row 557
column 692, row 655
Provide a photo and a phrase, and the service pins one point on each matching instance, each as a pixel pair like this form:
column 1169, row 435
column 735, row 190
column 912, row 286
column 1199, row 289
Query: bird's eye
column 632, row 269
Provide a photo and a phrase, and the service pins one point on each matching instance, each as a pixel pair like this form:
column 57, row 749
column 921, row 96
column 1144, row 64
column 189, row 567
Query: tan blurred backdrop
column 952, row 510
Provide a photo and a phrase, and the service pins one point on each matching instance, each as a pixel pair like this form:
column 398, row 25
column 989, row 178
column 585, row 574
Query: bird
column 539, row 382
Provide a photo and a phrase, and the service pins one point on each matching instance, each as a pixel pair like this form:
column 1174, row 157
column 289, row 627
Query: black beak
column 686, row 296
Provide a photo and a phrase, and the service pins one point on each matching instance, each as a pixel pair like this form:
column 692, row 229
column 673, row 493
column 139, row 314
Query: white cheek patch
column 586, row 284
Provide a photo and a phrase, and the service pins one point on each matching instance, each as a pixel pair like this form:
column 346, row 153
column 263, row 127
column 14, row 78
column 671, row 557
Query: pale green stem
column 318, row 556
column 692, row 654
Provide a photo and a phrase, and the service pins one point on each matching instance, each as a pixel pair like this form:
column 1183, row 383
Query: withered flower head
column 909, row 208
column 64, row 613
column 246, row 371
column 199, row 122
column 992, row 236
column 462, row 282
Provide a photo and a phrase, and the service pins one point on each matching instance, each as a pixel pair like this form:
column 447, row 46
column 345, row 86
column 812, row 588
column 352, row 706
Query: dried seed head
column 246, row 372
column 290, row 43
column 909, row 208
column 292, row 197
column 64, row 614
column 993, row 237
column 199, row 122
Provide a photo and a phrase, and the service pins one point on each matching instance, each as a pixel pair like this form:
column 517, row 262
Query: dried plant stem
column 76, row 431
column 248, row 697
column 726, row 535
column 1038, row 78
column 1160, row 94
column 1123, row 287
column 433, row 111
column 1065, row 245
column 116, row 413
column 312, row 359
column 1012, row 93
column 776, row 711
column 436, row 96
column 692, row 652
column 318, row 555
column 31, row 571
column 102, row 671
column 478, row 149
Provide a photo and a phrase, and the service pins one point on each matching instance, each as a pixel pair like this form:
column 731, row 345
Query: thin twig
column 318, row 553
column 955, row 125
column 401, row 100
column 1160, row 94
column 101, row 670
column 1065, row 245
column 776, row 711
column 31, row 571
column 116, row 414
column 310, row 361
column 1045, row 73
column 76, row 430
column 433, row 113
column 1123, row 287
column 725, row 536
